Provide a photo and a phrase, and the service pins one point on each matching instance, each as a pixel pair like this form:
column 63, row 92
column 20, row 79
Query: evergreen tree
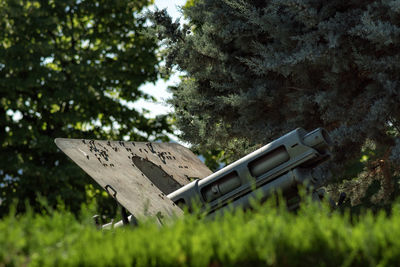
column 255, row 70
column 66, row 70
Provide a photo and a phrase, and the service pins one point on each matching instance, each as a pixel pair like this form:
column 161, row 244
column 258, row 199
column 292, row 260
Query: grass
column 268, row 236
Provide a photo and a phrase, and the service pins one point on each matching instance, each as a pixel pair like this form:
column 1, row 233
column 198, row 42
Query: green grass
column 269, row 236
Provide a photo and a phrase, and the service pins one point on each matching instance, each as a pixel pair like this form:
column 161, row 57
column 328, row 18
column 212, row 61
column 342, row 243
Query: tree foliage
column 258, row 69
column 68, row 69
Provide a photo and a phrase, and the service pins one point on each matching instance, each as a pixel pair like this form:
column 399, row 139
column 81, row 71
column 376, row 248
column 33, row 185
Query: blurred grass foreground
column 267, row 236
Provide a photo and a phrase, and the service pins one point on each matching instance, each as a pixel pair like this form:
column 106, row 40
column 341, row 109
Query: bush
column 268, row 236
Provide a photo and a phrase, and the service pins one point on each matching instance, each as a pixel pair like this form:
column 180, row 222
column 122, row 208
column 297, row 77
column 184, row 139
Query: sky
column 159, row 89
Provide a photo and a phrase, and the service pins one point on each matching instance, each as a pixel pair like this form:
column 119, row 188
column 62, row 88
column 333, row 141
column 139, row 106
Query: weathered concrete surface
column 138, row 175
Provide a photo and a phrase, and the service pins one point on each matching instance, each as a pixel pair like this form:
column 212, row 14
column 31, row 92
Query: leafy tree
column 68, row 69
column 258, row 69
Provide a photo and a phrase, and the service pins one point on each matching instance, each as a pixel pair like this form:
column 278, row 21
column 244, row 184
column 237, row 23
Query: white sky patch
column 159, row 89
column 16, row 115
column 172, row 7
column 160, row 92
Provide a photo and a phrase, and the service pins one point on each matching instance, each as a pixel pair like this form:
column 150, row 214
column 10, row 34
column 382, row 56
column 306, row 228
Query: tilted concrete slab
column 138, row 175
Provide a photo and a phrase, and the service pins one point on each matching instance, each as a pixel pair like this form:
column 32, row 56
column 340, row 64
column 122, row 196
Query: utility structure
column 158, row 179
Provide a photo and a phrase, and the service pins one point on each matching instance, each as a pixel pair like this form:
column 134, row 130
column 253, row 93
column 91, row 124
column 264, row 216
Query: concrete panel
column 138, row 175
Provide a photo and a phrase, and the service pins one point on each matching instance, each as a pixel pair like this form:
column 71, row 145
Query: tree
column 258, row 69
column 68, row 69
